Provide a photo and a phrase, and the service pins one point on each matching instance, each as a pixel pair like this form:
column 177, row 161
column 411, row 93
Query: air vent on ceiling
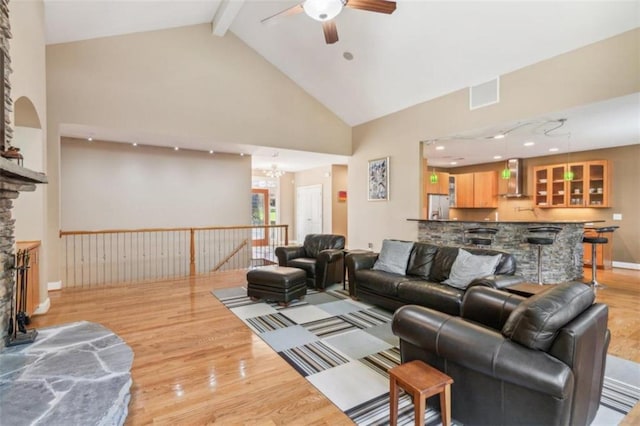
column 485, row 94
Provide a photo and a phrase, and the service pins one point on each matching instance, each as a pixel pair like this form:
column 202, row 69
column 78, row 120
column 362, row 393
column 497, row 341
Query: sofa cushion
column 421, row 260
column 379, row 282
column 315, row 243
column 304, row 263
column 394, row 256
column 432, row 295
column 468, row 267
column 536, row 321
column 445, row 256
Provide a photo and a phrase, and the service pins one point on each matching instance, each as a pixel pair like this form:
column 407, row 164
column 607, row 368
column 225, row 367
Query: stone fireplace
column 13, row 179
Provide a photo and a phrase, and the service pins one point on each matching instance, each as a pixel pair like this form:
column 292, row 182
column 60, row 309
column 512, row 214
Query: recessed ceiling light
column 175, row 148
column 90, row 138
column 553, row 149
column 135, row 144
column 439, row 147
column 242, row 154
column 497, row 157
column 499, row 136
column 529, row 143
column 210, row 151
column 453, row 163
column 348, row 56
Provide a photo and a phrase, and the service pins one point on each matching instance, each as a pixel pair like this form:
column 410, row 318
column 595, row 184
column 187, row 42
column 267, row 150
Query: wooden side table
column 527, row 289
column 421, row 381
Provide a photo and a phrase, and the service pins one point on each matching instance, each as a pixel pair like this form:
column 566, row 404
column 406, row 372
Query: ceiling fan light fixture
column 323, row 10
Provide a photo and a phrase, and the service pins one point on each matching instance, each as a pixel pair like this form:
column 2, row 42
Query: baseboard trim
column 626, row 265
column 43, row 308
column 55, row 285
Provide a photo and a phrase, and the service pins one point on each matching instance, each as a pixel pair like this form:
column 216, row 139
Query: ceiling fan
column 325, row 10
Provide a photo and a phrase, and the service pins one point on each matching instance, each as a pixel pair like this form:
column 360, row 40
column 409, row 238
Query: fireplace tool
column 18, row 334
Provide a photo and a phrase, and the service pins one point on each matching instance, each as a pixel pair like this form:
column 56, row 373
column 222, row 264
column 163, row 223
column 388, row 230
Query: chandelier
column 274, row 172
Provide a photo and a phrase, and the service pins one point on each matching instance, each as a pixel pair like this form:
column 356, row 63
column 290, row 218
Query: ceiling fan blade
column 287, row 12
column 330, row 31
column 380, row 6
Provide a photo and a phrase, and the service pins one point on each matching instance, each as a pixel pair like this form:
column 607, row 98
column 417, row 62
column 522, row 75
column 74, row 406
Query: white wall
column 28, row 210
column 117, row 186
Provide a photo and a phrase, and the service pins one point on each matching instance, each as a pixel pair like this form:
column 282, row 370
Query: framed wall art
column 378, row 179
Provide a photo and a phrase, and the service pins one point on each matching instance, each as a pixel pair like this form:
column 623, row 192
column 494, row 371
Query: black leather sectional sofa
column 428, row 266
column 515, row 361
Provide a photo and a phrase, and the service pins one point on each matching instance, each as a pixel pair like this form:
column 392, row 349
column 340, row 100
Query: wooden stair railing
column 130, row 255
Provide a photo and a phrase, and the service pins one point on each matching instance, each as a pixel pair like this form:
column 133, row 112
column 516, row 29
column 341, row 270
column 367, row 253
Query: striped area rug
column 328, row 332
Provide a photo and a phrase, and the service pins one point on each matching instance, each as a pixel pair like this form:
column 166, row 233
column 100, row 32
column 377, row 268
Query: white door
column 308, row 211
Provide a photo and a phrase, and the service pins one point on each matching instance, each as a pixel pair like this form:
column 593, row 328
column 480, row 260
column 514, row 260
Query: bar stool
column 480, row 236
column 594, row 241
column 542, row 236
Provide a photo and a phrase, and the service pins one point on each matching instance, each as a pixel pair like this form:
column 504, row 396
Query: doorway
column 308, row 211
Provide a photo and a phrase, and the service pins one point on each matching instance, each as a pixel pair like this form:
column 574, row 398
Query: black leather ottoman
column 278, row 283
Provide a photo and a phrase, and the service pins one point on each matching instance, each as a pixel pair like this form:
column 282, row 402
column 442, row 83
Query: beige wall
column 118, row 186
column 317, row 176
column 182, row 82
column 286, row 189
column 601, row 71
column 28, row 80
column 28, row 208
column 339, row 181
column 624, row 164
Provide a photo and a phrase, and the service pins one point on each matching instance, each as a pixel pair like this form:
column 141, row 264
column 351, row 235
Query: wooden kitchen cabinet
column 604, row 252
column 594, row 184
column 33, row 275
column 464, row 190
column 476, row 190
column 439, row 187
column 550, row 186
column 588, row 188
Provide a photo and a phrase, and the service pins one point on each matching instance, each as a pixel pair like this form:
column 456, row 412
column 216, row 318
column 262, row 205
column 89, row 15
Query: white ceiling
column 425, row 49
column 615, row 122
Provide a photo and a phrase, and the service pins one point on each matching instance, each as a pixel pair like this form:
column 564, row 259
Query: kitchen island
column 561, row 261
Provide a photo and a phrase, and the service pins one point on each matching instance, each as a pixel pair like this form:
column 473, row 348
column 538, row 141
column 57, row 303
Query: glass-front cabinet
column 584, row 184
column 550, row 186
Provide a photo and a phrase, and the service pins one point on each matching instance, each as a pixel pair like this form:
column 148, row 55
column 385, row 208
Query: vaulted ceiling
column 423, row 50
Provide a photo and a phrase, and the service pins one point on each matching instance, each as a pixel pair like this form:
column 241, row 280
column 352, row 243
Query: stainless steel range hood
column 515, row 180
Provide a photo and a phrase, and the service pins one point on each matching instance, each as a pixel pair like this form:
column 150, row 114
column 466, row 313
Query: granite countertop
column 584, row 222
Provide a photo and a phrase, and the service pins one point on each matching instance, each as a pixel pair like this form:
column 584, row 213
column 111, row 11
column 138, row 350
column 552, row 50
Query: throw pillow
column 468, row 267
column 394, row 256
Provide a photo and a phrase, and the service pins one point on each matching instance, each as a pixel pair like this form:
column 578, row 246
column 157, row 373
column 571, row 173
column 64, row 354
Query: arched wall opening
column 29, row 208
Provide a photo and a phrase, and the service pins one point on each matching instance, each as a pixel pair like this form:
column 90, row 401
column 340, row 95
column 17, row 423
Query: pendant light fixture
column 506, row 172
column 568, row 173
column 434, row 177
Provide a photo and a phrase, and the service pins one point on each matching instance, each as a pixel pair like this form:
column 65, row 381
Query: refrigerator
column 437, row 206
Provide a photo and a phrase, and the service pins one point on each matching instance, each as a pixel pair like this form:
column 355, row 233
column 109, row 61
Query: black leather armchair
column 321, row 257
column 536, row 361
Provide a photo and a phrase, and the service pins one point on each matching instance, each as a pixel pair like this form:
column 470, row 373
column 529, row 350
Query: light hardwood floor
column 197, row 363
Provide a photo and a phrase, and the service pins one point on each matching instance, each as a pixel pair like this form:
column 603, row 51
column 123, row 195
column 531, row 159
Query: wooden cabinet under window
column 586, row 185
column 476, row 190
column 33, row 274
